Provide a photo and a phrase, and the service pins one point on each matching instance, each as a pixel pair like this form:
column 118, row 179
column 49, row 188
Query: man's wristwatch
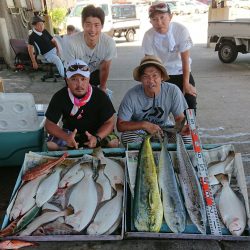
column 98, row 140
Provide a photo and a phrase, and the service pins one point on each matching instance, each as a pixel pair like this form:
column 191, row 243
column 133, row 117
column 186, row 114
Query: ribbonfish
column 41, row 169
column 84, row 200
column 173, row 207
column 107, row 215
column 48, row 187
column 74, row 175
column 25, row 199
column 191, row 188
column 231, row 208
column 104, row 182
column 42, row 219
column 147, row 207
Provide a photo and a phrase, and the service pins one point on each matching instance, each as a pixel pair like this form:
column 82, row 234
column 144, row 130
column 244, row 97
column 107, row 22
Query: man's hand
column 103, row 88
column 92, row 140
column 185, row 130
column 71, row 142
column 152, row 128
column 189, row 89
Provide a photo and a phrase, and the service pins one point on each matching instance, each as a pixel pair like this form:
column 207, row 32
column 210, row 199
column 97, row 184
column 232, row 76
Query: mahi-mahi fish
column 173, row 207
column 191, row 188
column 147, row 209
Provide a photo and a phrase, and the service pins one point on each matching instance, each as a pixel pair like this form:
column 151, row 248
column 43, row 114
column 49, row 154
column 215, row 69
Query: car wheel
column 130, row 36
column 227, row 52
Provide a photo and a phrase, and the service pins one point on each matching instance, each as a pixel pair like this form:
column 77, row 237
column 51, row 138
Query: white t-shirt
column 76, row 48
column 136, row 106
column 168, row 46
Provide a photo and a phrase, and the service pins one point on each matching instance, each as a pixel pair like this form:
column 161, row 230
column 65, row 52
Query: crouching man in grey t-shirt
column 145, row 108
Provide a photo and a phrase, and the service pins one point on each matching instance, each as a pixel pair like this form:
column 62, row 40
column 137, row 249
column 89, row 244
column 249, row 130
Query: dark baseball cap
column 37, row 19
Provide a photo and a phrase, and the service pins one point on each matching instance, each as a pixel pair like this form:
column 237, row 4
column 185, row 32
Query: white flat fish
column 74, row 175
column 48, row 187
column 231, row 209
column 219, row 168
column 49, row 206
column 84, row 200
column 104, row 182
column 114, row 172
column 42, row 219
column 107, row 215
column 25, row 199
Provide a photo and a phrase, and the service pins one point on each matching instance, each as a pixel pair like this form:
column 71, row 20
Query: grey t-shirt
column 136, row 106
column 76, row 48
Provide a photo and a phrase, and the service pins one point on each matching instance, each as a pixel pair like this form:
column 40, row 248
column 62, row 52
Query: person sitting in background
column 86, row 111
column 40, row 39
column 71, row 30
column 94, row 47
column 145, row 107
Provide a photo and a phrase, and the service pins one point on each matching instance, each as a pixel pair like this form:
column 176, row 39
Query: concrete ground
column 223, row 117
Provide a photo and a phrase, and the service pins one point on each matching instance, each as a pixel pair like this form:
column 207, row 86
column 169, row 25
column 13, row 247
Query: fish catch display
column 178, row 181
column 147, row 208
column 37, row 207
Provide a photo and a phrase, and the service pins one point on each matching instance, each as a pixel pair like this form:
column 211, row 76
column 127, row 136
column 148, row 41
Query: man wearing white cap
column 86, row 111
column 171, row 42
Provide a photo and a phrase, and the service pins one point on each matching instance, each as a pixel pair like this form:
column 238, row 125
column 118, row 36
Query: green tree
column 57, row 16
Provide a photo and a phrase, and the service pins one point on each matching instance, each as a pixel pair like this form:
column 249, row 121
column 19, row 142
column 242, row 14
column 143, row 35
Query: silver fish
column 191, row 188
column 173, row 207
column 231, row 209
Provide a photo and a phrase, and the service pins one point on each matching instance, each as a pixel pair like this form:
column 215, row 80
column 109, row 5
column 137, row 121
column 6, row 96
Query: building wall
column 17, row 26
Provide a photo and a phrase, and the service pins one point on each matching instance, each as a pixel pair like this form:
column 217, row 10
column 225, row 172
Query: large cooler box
column 21, row 129
column 116, row 154
column 191, row 231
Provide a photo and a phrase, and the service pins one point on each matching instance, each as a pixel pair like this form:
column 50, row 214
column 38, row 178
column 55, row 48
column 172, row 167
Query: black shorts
column 178, row 81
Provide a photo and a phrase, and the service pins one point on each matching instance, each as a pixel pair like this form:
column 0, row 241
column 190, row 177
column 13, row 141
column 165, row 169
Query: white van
column 75, row 16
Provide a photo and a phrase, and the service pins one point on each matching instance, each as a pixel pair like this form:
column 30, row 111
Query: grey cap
column 36, row 19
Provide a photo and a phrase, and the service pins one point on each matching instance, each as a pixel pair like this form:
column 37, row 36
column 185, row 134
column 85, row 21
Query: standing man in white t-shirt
column 92, row 46
column 171, row 42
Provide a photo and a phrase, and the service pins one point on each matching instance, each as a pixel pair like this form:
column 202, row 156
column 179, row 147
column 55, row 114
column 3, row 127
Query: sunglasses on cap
column 75, row 67
column 164, row 7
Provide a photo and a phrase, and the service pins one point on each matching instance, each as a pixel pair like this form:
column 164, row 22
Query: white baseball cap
column 77, row 66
